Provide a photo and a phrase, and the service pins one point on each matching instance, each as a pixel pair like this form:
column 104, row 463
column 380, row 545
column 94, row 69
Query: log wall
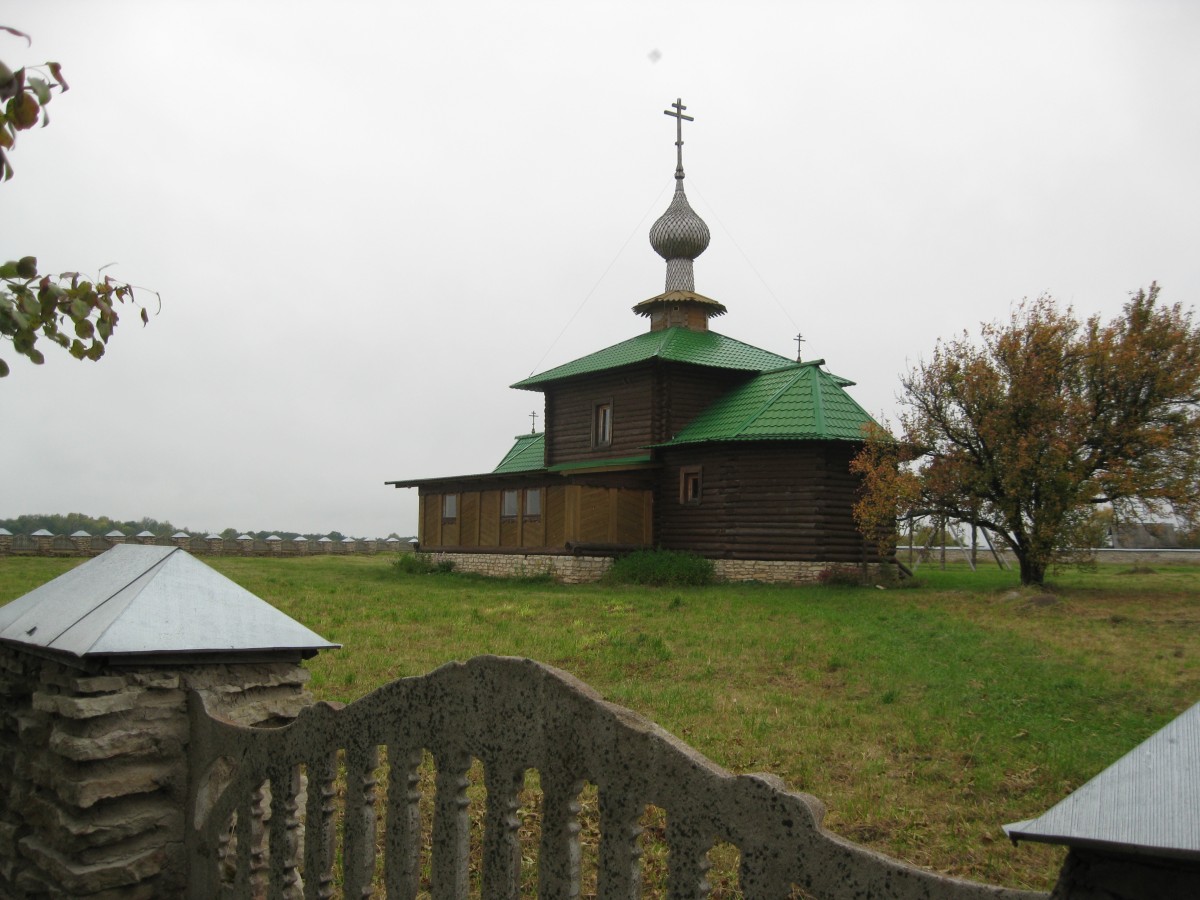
column 651, row 402
column 781, row 501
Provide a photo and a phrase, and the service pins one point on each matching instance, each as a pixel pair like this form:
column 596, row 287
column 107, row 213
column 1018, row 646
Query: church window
column 533, row 503
column 602, row 422
column 690, row 485
column 508, row 504
column 449, row 508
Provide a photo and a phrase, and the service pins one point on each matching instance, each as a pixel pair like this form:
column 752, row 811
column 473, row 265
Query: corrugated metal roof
column 137, row 599
column 528, row 454
column 701, row 348
column 615, row 462
column 796, row 402
column 1146, row 802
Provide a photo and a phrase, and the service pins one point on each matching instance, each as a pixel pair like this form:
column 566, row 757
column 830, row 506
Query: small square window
column 508, row 504
column 691, row 486
column 602, row 422
column 533, row 503
column 449, row 507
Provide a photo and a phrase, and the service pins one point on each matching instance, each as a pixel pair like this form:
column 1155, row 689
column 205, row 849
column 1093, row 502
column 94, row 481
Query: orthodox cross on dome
column 799, row 339
column 533, row 419
column 679, row 119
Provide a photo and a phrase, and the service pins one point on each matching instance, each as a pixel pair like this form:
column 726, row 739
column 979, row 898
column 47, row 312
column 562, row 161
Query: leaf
column 3, row 368
column 145, row 317
column 56, row 72
column 23, row 111
column 15, row 33
column 27, row 267
column 9, row 269
column 41, row 89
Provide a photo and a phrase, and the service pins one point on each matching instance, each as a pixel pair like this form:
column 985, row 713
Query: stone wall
column 94, row 545
column 95, row 775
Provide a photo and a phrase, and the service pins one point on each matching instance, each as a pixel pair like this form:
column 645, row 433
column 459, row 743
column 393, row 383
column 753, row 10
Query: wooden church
column 679, row 438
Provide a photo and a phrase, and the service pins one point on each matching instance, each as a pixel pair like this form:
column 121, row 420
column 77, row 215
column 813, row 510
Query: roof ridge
column 818, row 400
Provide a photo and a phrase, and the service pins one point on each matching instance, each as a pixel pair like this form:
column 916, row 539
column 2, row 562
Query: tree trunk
column 1033, row 570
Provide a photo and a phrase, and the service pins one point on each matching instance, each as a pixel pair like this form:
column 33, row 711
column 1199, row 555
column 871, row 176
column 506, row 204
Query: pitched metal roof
column 147, row 600
column 796, row 402
column 528, row 454
column 1146, row 802
column 641, row 461
column 701, row 348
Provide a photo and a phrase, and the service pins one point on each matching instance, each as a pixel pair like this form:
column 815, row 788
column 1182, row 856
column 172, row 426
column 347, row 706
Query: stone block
column 107, row 823
column 86, row 784
column 155, row 680
column 133, row 738
column 84, row 707
column 82, row 880
column 97, row 684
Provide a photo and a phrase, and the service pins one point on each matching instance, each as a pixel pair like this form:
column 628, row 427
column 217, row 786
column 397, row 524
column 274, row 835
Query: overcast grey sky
column 367, row 219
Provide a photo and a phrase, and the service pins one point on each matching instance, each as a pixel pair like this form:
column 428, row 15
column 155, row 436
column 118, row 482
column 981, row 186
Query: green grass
column 925, row 717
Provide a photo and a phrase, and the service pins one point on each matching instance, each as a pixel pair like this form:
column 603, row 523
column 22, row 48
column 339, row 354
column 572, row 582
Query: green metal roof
column 701, row 348
column 796, row 402
column 615, row 462
column 528, row 454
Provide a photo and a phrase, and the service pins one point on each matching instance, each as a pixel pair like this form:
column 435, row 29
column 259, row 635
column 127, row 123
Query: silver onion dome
column 679, row 235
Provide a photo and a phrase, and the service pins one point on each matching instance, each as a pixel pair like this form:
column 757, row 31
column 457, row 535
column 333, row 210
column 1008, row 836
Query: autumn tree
column 73, row 312
column 1045, row 418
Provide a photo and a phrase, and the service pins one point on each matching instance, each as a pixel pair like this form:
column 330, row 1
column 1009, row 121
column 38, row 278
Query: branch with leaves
column 24, row 96
column 76, row 313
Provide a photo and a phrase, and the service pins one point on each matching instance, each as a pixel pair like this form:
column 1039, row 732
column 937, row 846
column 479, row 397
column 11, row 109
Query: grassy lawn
column 924, row 717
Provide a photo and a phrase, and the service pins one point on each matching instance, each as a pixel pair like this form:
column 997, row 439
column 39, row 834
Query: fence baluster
column 402, row 840
column 358, row 854
column 688, row 863
column 620, row 874
column 319, row 828
column 451, row 834
column 284, row 833
column 558, row 857
column 501, row 844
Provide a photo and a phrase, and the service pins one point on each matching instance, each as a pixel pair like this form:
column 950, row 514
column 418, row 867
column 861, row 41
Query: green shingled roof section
column 528, row 454
column 796, row 402
column 701, row 348
column 616, row 462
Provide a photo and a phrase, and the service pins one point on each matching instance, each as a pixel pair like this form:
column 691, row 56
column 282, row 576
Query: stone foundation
column 95, row 774
column 585, row 569
column 563, row 569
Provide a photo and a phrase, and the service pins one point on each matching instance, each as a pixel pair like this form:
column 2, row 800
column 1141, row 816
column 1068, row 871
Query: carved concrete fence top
column 512, row 715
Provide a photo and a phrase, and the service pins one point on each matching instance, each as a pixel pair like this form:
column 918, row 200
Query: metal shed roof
column 146, row 600
column 1147, row 802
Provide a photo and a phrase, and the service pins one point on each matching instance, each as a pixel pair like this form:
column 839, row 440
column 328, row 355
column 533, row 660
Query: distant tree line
column 101, row 525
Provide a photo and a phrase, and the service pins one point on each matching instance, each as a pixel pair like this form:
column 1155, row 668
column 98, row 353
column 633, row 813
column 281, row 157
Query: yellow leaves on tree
column 1026, row 431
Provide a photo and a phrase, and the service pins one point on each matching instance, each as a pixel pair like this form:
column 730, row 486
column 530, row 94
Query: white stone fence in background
column 43, row 543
